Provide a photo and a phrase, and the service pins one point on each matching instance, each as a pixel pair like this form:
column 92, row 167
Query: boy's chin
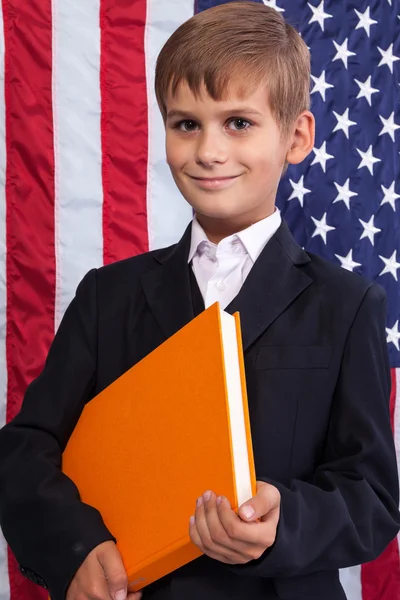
column 212, row 211
column 217, row 215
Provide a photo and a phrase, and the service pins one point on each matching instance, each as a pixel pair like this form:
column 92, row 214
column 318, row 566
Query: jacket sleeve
column 348, row 512
column 48, row 528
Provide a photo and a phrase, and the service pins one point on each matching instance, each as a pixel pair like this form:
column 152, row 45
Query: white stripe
column 351, row 581
column 4, row 581
column 168, row 212
column 397, row 426
column 77, row 145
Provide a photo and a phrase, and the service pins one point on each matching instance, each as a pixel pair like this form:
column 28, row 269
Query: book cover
column 171, row 427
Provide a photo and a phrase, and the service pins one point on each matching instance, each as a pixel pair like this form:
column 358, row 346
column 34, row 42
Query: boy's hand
column 221, row 534
column 101, row 576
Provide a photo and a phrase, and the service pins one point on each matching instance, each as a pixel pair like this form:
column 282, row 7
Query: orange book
column 173, row 426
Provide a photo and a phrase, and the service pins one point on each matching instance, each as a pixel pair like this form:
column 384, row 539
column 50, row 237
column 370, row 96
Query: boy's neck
column 218, row 229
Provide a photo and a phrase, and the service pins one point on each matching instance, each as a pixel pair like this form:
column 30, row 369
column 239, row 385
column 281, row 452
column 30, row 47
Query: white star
column 366, row 90
column 342, row 52
column 368, row 160
column 321, row 156
column 318, row 14
column 320, row 85
column 393, row 335
column 344, row 193
column 389, row 126
column 343, row 122
column 272, row 4
column 388, row 58
column 347, row 261
column 299, row 190
column 321, row 228
column 365, row 20
column 391, row 265
column 390, row 2
column 369, row 230
column 390, row 196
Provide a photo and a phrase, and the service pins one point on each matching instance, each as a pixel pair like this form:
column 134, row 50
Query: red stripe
column 30, row 210
column 381, row 578
column 124, row 128
column 393, row 396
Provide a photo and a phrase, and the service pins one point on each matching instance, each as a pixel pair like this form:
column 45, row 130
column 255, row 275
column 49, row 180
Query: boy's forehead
column 235, row 94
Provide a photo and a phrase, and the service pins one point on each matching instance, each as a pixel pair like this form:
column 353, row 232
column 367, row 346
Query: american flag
column 84, row 180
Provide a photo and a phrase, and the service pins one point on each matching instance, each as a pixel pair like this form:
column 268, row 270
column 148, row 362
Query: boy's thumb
column 266, row 499
column 114, row 571
column 247, row 512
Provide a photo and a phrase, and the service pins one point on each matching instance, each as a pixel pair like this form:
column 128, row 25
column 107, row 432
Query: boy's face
column 224, row 139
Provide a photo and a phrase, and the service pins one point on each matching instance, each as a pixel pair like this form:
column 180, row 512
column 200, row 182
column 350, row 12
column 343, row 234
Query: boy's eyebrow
column 240, row 110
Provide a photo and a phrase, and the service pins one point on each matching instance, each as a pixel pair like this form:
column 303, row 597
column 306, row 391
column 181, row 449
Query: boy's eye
column 190, row 128
column 190, row 125
column 241, row 121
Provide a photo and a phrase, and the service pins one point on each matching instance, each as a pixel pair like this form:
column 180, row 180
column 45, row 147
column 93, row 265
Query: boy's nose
column 211, row 148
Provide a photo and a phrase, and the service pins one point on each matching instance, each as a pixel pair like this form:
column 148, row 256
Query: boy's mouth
column 216, row 178
column 215, row 182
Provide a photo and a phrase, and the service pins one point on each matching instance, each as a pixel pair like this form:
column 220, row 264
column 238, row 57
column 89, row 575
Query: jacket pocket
column 293, row 357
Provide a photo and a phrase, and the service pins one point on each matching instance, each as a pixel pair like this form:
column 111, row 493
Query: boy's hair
column 242, row 42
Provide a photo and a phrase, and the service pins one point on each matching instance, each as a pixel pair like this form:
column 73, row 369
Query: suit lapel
column 167, row 288
column 272, row 284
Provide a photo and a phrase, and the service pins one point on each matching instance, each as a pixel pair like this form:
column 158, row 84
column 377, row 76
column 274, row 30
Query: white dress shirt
column 221, row 269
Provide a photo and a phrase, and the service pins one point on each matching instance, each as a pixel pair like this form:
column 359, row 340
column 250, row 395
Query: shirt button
column 220, row 286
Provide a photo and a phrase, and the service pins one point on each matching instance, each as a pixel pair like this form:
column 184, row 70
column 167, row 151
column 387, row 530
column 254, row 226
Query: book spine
column 161, row 564
column 245, row 404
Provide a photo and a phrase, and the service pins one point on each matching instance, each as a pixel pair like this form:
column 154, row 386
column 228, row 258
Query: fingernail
column 219, row 500
column 207, row 496
column 199, row 501
column 192, row 520
column 120, row 595
column 247, row 511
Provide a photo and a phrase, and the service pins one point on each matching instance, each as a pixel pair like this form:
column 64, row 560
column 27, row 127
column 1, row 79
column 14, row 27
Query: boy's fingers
column 135, row 596
column 114, row 571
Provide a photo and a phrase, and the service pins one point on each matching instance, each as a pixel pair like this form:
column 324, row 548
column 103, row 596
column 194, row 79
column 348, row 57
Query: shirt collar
column 254, row 238
column 197, row 237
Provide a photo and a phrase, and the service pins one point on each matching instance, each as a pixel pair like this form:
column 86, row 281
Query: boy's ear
column 302, row 138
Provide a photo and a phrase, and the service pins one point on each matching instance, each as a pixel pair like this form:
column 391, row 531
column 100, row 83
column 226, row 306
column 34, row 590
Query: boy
column 233, row 88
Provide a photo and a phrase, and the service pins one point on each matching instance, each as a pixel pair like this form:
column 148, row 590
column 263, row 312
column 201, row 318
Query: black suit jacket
column 318, row 386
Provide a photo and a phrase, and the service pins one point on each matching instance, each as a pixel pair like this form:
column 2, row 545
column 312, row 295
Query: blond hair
column 245, row 42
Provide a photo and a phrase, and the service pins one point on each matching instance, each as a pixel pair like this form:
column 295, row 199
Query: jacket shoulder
column 339, row 282
column 130, row 269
